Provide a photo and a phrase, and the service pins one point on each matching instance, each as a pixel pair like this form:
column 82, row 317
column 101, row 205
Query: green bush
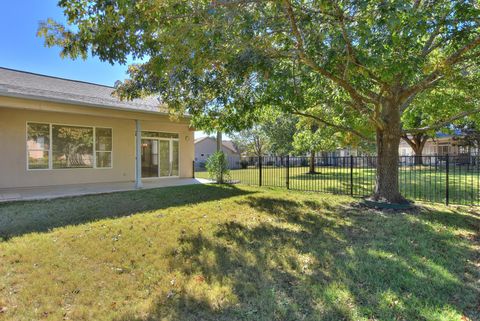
column 244, row 164
column 217, row 167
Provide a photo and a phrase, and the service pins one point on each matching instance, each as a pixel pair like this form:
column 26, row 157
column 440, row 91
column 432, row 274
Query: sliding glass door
column 160, row 154
column 149, row 158
column 164, row 158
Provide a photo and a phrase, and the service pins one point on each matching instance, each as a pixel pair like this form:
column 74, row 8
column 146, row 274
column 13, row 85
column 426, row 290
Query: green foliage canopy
column 219, row 59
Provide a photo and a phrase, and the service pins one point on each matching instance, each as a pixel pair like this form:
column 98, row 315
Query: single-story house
column 206, row 146
column 441, row 145
column 56, row 131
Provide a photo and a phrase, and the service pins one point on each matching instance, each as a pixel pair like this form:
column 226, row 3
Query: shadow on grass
column 19, row 218
column 313, row 261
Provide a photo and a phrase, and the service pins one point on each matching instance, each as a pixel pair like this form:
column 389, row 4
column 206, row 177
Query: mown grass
column 424, row 183
column 235, row 253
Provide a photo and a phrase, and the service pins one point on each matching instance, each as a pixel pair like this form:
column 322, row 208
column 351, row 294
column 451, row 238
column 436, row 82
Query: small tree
column 217, row 167
column 312, row 138
column 468, row 134
column 280, row 129
column 251, row 141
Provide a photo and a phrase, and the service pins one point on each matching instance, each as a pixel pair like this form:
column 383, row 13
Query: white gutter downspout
column 138, row 154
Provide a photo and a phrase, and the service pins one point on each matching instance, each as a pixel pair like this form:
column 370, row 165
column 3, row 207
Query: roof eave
column 79, row 103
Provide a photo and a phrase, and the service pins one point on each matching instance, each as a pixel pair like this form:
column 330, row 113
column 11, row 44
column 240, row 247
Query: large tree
column 371, row 59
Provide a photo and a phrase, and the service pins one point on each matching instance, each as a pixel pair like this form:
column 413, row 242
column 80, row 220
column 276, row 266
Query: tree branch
column 416, row 4
column 350, row 50
column 409, row 141
column 441, row 123
column 428, row 47
column 330, row 124
column 418, row 141
column 410, row 98
column 312, row 64
column 430, row 79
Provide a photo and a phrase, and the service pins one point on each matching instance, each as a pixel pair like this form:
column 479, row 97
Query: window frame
column 95, row 151
column 50, row 147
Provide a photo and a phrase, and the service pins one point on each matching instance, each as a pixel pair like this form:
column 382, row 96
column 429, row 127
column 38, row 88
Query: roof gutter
column 6, row 93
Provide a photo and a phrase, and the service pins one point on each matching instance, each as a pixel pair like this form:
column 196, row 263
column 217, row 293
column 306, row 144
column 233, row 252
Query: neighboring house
column 56, row 131
column 206, row 146
column 441, row 145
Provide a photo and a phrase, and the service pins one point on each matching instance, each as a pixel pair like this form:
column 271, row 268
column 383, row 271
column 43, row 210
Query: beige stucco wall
column 15, row 113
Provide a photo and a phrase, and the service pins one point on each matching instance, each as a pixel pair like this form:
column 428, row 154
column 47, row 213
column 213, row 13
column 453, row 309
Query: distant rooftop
column 22, row 84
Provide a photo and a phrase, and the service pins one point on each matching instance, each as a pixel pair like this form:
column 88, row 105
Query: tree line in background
column 284, row 134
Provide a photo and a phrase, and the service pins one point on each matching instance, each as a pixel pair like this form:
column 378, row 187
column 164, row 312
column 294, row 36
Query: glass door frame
column 170, row 155
column 151, row 160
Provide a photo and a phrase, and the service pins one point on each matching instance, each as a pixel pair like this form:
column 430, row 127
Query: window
column 443, row 150
column 103, row 147
column 38, row 145
column 64, row 146
column 72, row 147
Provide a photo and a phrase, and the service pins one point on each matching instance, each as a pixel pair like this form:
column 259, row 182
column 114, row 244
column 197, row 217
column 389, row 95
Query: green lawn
column 235, row 253
column 422, row 183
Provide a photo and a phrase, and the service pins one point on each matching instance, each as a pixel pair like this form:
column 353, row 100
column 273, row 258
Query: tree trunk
column 418, row 159
column 219, row 141
column 312, row 162
column 388, row 141
column 417, row 143
column 220, row 149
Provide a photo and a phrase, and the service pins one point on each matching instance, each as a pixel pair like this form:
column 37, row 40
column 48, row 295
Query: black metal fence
column 437, row 179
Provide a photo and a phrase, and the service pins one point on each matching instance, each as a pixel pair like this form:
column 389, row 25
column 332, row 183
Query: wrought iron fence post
column 259, row 170
column 287, row 177
column 351, row 175
column 447, row 192
column 193, row 169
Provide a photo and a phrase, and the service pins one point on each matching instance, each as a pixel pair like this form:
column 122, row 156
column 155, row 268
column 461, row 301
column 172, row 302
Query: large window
column 72, row 147
column 63, row 146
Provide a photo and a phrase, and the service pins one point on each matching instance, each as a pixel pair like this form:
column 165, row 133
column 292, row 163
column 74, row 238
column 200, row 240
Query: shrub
column 217, row 167
column 244, row 164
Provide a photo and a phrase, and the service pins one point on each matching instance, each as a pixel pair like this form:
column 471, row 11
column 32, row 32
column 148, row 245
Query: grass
column 235, row 253
column 422, row 183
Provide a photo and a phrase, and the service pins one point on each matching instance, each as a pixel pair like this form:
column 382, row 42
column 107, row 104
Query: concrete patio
column 50, row 192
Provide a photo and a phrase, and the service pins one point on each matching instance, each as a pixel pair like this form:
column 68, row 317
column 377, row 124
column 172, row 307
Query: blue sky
column 21, row 49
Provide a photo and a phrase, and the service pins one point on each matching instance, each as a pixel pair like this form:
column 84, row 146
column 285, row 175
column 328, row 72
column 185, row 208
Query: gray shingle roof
column 230, row 144
column 15, row 83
